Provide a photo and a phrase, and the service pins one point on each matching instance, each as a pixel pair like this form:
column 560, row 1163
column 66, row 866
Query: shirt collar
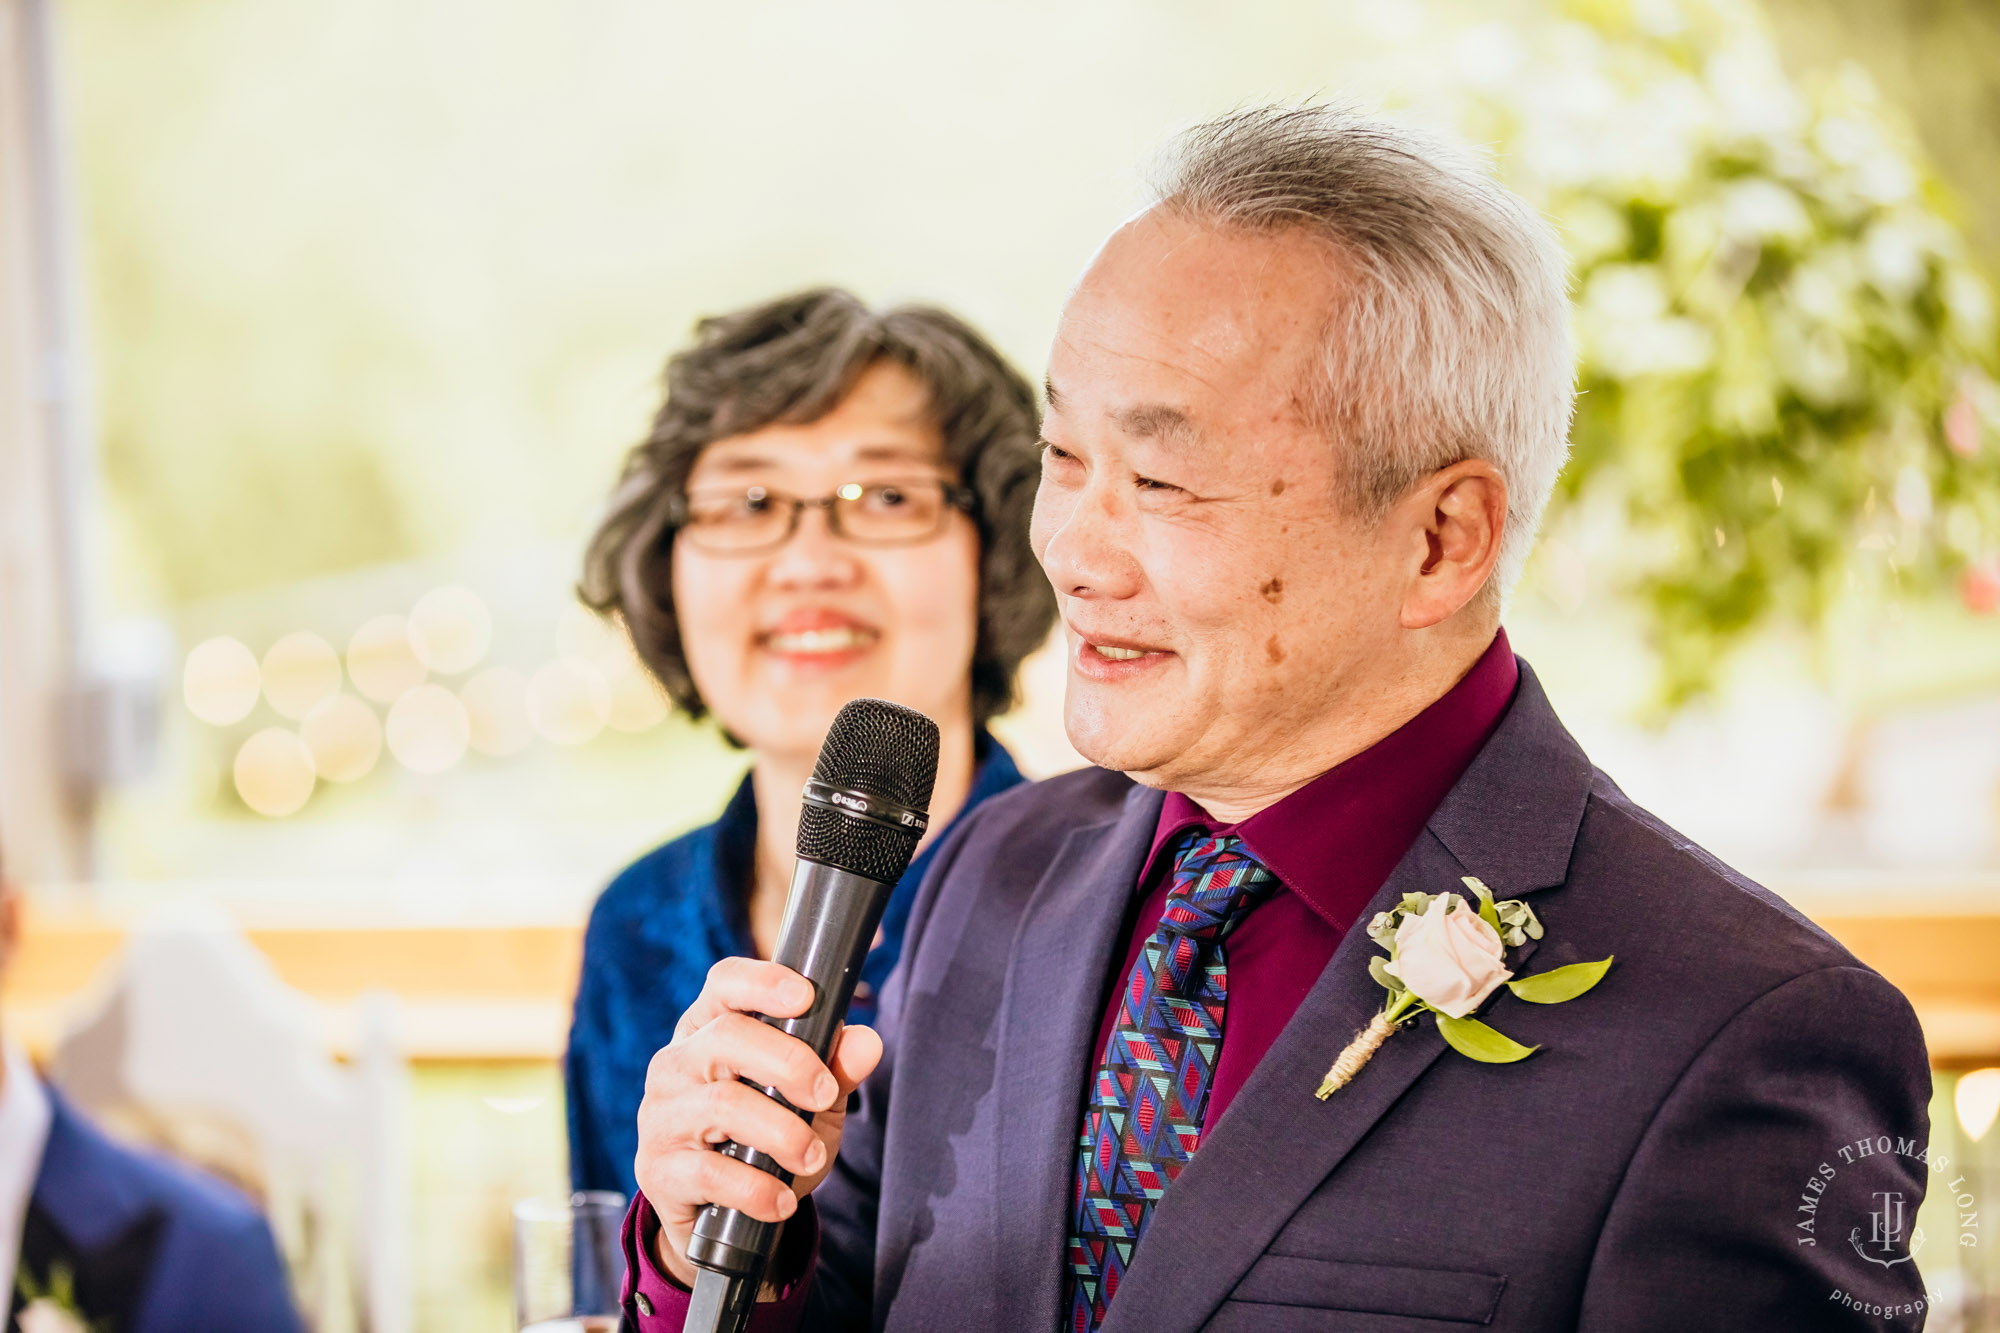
column 1335, row 840
column 24, row 1132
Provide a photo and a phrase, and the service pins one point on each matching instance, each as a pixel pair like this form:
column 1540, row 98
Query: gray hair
column 792, row 360
column 1453, row 341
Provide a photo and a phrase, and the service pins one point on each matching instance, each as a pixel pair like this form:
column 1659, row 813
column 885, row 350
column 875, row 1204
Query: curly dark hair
column 793, row 360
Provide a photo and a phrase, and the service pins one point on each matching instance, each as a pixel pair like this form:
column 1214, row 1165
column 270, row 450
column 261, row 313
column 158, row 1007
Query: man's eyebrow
column 1147, row 421
column 1156, row 421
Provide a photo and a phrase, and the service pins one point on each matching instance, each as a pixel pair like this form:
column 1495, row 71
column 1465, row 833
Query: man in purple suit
column 1210, row 1036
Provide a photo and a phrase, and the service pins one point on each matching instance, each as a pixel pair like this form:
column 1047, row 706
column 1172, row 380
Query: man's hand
column 694, row 1102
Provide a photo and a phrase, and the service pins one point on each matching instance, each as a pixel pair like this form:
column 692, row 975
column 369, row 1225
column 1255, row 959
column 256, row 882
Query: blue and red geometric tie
column 1150, row 1090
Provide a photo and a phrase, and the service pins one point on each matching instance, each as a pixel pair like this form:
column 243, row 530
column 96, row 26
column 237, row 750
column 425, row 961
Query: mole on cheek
column 1273, row 590
column 1273, row 651
column 1278, row 486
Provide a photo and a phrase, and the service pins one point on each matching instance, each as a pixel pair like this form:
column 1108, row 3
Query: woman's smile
column 818, row 638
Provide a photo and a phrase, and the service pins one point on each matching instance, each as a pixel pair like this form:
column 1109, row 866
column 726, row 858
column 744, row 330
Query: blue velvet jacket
column 668, row 918
column 149, row 1245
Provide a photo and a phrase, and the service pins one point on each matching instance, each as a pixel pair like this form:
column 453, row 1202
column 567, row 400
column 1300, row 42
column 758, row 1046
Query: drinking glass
column 568, row 1269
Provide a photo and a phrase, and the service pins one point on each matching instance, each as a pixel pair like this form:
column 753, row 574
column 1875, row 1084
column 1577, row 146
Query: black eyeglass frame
column 956, row 496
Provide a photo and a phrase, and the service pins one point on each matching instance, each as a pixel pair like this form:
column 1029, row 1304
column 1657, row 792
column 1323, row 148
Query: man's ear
column 1458, row 515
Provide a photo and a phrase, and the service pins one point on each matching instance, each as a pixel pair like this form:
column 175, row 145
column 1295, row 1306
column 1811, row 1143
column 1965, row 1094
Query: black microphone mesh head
column 888, row 751
column 884, row 748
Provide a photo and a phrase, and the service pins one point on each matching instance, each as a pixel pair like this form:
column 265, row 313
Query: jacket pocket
column 1417, row 1293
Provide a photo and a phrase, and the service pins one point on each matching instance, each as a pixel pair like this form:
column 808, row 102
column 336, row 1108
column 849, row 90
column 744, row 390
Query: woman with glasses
column 832, row 503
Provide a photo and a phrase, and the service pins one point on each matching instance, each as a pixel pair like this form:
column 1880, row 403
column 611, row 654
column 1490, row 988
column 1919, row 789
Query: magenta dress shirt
column 1330, row 844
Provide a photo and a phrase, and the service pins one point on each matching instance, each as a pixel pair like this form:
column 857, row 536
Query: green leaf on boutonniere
column 1486, row 910
column 1378, row 968
column 1470, row 1037
column 1560, row 983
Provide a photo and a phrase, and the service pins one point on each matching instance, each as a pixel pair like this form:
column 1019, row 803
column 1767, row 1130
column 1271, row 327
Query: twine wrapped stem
column 1366, row 1042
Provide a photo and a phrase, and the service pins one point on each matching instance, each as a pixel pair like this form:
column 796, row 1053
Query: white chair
column 194, row 1044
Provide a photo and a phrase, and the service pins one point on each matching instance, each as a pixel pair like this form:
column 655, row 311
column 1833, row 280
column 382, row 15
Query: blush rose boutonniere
column 52, row 1308
column 1447, row 958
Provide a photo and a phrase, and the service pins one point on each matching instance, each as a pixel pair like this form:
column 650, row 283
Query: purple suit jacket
column 1653, row 1166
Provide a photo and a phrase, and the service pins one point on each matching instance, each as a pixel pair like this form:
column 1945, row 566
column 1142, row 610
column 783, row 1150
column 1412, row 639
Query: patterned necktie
column 1150, row 1089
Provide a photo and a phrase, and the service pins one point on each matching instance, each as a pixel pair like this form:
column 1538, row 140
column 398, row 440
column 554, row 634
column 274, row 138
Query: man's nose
column 1090, row 547
column 814, row 556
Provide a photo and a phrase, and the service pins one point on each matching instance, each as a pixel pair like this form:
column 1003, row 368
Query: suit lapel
column 1511, row 820
column 83, row 1186
column 103, row 1282
column 1057, row 973
column 85, row 1219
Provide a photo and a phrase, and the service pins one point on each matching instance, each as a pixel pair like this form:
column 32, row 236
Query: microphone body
column 830, row 921
column 865, row 811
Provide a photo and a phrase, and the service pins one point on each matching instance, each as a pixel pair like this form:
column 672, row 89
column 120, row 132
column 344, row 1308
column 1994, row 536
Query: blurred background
column 323, row 329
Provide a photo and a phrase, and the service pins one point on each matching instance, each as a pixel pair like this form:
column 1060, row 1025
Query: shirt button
column 644, row 1303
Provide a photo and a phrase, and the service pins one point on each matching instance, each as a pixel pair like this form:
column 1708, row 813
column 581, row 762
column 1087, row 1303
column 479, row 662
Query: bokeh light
column 301, row 671
column 1979, row 586
column 450, row 630
column 381, row 661
column 1978, row 1102
column 585, row 634
column 274, row 772
column 569, row 701
column 428, row 729
column 637, row 701
column 344, row 736
column 221, row 681
column 496, row 702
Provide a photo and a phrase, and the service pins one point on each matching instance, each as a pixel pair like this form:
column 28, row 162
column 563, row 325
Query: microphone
column 866, row 808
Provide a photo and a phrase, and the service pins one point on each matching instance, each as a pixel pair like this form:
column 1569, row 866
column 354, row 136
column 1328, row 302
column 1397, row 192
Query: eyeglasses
column 750, row 520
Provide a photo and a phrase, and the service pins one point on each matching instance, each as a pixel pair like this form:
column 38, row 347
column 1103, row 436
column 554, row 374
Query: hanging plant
column 1787, row 385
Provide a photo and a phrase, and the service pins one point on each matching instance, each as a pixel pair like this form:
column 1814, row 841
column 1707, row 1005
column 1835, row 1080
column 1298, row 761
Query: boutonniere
column 1446, row 958
column 50, row 1309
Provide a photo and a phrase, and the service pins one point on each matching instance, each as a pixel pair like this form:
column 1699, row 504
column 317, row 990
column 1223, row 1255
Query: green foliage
column 1472, row 1038
column 53, row 1304
column 1786, row 390
column 1378, row 968
column 1559, row 985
